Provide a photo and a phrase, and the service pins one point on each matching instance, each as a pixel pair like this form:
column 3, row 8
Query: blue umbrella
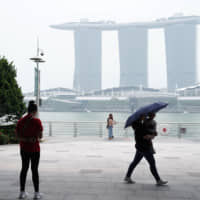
column 151, row 108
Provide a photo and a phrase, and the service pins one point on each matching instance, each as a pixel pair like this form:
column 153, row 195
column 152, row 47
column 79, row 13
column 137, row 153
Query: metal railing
column 98, row 128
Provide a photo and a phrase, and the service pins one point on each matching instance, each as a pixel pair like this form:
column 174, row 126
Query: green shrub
column 13, row 140
column 9, row 132
column 4, row 139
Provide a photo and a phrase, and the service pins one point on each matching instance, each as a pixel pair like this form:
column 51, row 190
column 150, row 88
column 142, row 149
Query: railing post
column 75, row 129
column 50, row 128
column 126, row 132
column 100, row 129
column 179, row 133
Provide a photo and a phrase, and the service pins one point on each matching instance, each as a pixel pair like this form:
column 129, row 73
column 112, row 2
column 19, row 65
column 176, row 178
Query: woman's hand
column 149, row 137
column 32, row 140
column 28, row 139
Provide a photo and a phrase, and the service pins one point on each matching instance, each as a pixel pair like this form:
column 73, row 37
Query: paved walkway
column 93, row 169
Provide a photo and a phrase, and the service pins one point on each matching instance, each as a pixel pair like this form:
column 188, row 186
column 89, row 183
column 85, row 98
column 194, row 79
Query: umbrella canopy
column 151, row 108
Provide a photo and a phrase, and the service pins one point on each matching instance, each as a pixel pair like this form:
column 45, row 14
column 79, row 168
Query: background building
column 180, row 42
column 87, row 74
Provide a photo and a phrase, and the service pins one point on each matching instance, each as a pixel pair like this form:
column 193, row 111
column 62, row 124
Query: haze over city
column 23, row 21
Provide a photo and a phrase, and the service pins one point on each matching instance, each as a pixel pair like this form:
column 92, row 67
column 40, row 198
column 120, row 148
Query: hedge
column 7, row 134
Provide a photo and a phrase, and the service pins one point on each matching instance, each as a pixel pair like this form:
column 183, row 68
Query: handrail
column 98, row 128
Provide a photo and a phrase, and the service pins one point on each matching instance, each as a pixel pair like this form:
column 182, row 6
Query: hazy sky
column 21, row 21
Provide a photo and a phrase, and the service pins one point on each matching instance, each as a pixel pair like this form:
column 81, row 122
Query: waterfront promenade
column 93, row 168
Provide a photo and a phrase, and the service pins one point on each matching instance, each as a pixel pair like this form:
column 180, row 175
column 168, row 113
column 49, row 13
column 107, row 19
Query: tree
column 11, row 98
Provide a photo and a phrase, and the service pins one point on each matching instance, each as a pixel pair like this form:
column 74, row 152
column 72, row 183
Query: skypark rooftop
column 111, row 25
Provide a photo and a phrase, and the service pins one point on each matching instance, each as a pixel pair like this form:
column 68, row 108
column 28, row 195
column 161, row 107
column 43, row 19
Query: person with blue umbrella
column 150, row 127
column 144, row 148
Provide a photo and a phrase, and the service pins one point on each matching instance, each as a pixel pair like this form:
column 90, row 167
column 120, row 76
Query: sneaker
column 129, row 180
column 23, row 195
column 37, row 195
column 161, row 182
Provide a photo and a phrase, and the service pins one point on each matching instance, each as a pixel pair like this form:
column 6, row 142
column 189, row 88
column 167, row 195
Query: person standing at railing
column 29, row 131
column 143, row 149
column 109, row 126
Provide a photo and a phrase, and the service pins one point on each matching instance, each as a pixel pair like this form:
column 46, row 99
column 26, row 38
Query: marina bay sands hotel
column 180, row 43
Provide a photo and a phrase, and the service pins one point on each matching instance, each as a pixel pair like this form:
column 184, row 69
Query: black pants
column 149, row 157
column 26, row 157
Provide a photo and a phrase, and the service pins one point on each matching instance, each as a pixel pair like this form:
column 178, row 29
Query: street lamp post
column 37, row 59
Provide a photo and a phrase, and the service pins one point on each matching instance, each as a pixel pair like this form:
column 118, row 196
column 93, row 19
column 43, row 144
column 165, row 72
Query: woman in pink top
column 110, row 123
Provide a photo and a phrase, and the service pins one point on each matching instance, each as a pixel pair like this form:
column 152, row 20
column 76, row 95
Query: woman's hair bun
column 31, row 102
column 32, row 107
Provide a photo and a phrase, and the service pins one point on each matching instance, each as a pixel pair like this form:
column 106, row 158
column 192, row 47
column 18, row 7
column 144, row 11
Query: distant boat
column 185, row 112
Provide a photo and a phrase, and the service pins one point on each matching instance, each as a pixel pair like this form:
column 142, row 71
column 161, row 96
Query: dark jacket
column 150, row 127
column 141, row 144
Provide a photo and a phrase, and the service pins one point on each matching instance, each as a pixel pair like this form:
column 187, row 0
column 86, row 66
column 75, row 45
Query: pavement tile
column 94, row 168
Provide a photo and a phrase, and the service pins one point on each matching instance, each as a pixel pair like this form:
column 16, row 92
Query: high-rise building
column 181, row 55
column 133, row 56
column 87, row 74
column 180, row 42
